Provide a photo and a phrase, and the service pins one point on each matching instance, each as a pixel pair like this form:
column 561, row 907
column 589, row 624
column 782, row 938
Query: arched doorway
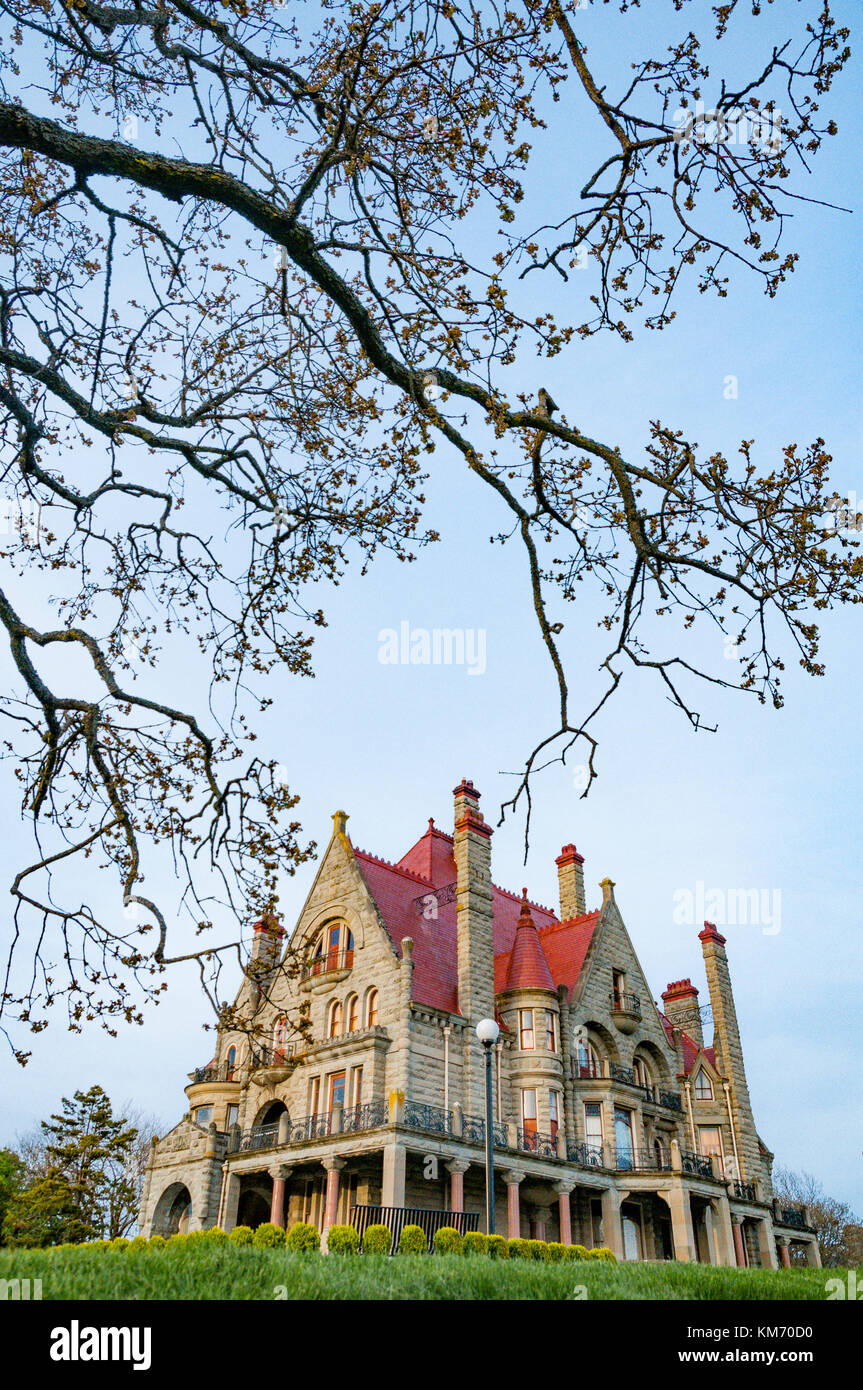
column 256, row 1198
column 173, row 1211
column 270, row 1114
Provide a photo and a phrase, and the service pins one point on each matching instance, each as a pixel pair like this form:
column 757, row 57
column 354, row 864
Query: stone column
column 456, row 1169
column 739, row 1244
column 724, row 1233
column 564, row 1212
column 612, row 1231
column 280, row 1176
column 541, row 1223
column 393, row 1187
column 813, row 1254
column 333, row 1167
column 232, row 1201
column 784, row 1252
column 767, row 1244
column 513, row 1214
column 682, row 1233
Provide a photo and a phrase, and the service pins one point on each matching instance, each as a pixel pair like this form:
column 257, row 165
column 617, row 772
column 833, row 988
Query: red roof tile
column 526, row 965
column 690, row 1048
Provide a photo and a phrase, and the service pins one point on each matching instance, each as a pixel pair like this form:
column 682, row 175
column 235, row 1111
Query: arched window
column 334, row 1026
column 333, row 950
column 280, row 1040
column 658, row 1153
column 353, row 1014
column 588, row 1062
column 372, row 1009
column 703, row 1087
column 642, row 1075
column 230, row 1063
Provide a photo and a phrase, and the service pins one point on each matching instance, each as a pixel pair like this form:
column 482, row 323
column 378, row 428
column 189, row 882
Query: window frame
column 550, row 1030
column 525, row 1030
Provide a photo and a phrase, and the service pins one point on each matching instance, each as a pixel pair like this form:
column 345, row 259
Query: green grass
column 255, row 1274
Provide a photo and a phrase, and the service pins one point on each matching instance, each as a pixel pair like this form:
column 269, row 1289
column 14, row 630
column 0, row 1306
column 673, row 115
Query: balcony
column 210, row 1076
column 642, row 1161
column 793, row 1216
column 586, row 1155
column 324, row 1125
column 331, row 966
column 669, row 1099
column 473, row 1131
column 531, row 1141
column 426, row 1117
column 695, row 1164
column 744, row 1191
column 273, row 1064
column 625, row 1011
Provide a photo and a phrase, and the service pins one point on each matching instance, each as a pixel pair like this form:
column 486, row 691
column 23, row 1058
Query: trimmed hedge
column 138, row 1243
column 214, row 1235
column 519, row 1249
column 269, row 1236
column 577, row 1252
column 413, row 1241
column 602, row 1253
column 343, row 1240
column 497, row 1247
column 303, row 1236
column 554, row 1251
column 377, row 1240
column 157, row 1242
column 448, row 1241
column 475, row 1243
column 537, row 1249
column 241, row 1235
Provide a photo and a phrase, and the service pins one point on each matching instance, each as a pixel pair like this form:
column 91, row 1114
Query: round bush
column 602, row 1253
column 157, row 1242
column 555, row 1251
column 241, row 1235
column 343, row 1240
column 214, row 1235
column 448, row 1241
column 536, row 1249
column 138, row 1243
column 577, row 1252
column 118, row 1243
column 377, row 1240
column 178, row 1241
column 475, row 1243
column 302, row 1237
column 413, row 1241
column 497, row 1247
column 518, row 1248
column 269, row 1236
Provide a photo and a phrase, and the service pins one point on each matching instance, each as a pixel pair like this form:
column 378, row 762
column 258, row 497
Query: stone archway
column 270, row 1113
column 173, row 1211
column 256, row 1199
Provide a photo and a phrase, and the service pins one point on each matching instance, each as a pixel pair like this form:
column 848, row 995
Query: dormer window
column 703, row 1086
column 333, row 950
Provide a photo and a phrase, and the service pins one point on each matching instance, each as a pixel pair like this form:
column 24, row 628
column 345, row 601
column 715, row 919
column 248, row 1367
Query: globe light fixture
column 488, row 1033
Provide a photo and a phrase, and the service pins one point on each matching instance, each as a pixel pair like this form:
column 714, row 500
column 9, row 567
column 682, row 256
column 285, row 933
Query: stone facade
column 349, row 1073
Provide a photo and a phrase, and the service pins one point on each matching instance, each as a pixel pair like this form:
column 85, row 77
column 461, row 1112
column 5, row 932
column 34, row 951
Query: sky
column 770, row 802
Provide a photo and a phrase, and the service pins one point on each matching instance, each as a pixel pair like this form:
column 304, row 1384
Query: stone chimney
column 680, row 1006
column 728, row 1048
column 474, row 926
column 570, row 874
column 267, row 942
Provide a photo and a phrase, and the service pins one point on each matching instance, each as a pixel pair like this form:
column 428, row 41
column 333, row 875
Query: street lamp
column 488, row 1033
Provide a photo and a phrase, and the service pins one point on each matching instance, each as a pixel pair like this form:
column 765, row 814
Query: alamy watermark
column 736, row 126
column 844, row 515
column 741, row 907
column 438, row 646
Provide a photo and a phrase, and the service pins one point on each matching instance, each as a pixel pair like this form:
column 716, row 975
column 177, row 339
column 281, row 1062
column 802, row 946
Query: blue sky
column 770, row 802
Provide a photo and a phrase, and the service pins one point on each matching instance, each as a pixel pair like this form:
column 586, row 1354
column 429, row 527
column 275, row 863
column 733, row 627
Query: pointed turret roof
column 528, row 967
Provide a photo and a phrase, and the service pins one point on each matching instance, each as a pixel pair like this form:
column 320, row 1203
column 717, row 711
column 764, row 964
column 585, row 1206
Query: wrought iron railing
column 272, row 1056
column 220, row 1073
column 587, row 1155
column 370, row 1116
column 792, row 1216
column 622, row 1003
column 671, row 1100
column 642, row 1161
column 473, row 1131
column 744, row 1191
column 621, row 1073
column 260, row 1137
column 396, row 1218
column 587, row 1071
column 531, row 1141
column 696, row 1164
column 325, row 964
column 427, row 1117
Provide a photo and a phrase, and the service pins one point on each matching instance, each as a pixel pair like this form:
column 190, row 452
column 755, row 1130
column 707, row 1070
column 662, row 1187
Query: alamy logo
column 439, row 646
column 845, row 1288
column 18, row 1289
column 744, row 907
column 77, row 1343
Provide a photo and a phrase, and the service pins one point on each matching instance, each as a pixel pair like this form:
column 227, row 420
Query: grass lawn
column 249, row 1273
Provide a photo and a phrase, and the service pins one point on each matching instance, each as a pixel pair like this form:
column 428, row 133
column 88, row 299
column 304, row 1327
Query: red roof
column 417, row 897
column 690, row 1048
column 526, row 965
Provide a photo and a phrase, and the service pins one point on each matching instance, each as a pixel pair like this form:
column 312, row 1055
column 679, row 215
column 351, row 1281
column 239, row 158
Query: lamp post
column 488, row 1032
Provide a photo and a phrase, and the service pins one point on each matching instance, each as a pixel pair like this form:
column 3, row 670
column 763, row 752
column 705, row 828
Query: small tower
column 680, row 1006
column 728, row 1049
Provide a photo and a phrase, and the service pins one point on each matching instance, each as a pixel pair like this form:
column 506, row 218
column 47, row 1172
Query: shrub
column 214, row 1235
column 518, row 1248
column 118, row 1243
column 241, row 1235
column 536, row 1249
column 448, row 1241
column 475, row 1243
column 555, row 1251
column 157, row 1242
column 302, row 1237
column 269, row 1236
column 497, row 1247
column 413, row 1241
column 343, row 1240
column 377, row 1240
column 577, row 1252
column 602, row 1253
column 138, row 1243
column 195, row 1237
column 178, row 1241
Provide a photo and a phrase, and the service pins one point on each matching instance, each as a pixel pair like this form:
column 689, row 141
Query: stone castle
column 613, row 1123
